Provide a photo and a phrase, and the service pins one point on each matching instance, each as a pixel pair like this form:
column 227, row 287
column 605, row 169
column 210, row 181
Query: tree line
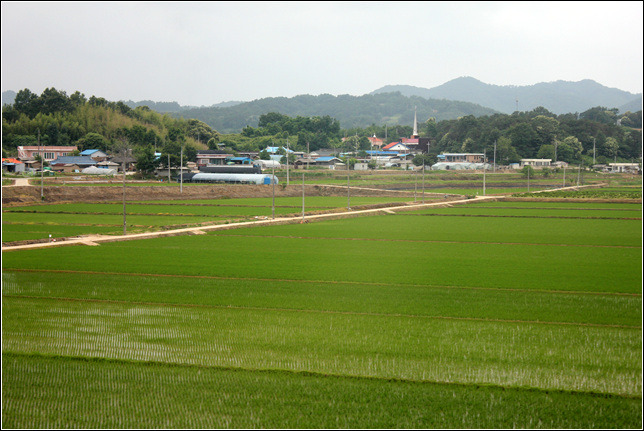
column 53, row 118
column 572, row 138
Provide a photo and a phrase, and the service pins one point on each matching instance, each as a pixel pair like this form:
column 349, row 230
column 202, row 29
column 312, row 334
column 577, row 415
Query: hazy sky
column 204, row 53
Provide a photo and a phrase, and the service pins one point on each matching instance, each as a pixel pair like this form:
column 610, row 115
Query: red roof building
column 28, row 152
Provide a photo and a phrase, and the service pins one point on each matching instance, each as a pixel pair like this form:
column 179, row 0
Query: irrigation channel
column 94, row 240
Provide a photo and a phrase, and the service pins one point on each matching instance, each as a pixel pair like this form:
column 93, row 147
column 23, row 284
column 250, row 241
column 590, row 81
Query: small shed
column 12, row 165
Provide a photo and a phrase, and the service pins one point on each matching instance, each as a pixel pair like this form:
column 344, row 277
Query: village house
column 12, row 165
column 213, row 157
column 71, row 163
column 49, row 152
column 97, row 155
column 461, row 157
column 536, row 163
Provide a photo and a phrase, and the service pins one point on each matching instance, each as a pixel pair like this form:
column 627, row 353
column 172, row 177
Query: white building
column 536, row 163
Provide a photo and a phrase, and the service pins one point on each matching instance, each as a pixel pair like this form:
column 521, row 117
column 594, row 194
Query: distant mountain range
column 396, row 104
column 559, row 97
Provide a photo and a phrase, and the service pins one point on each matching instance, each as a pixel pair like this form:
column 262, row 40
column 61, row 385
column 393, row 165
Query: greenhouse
column 231, row 178
column 456, row 166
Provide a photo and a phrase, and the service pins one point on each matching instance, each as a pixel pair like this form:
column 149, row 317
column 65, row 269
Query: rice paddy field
column 485, row 315
column 33, row 222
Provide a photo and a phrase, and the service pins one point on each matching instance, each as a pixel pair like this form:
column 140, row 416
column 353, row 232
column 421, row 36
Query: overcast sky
column 204, row 53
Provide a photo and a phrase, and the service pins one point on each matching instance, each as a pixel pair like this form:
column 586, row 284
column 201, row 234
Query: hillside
column 350, row 111
column 559, row 97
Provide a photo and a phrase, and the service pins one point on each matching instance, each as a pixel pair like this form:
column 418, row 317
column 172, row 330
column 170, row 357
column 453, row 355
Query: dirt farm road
column 94, row 240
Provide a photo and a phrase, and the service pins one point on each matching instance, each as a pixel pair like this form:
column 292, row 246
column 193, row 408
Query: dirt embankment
column 15, row 196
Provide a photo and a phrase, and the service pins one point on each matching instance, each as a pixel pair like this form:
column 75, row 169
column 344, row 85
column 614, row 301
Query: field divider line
column 313, row 311
column 265, row 222
column 305, row 373
column 427, row 241
column 525, row 216
column 355, row 283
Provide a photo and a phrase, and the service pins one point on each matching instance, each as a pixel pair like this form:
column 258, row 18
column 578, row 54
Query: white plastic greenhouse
column 455, row 166
column 234, row 178
column 93, row 170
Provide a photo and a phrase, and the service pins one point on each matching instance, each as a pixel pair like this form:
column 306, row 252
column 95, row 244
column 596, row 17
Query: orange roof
column 390, row 145
column 10, row 160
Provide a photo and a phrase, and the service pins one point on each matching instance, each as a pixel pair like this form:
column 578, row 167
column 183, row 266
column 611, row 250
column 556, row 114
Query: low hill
column 350, row 111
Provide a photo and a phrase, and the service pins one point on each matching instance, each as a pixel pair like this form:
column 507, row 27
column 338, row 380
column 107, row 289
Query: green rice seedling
column 359, row 298
column 510, row 354
column 510, row 266
column 59, row 392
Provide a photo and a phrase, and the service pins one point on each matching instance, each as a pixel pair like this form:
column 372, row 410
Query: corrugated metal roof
column 77, row 160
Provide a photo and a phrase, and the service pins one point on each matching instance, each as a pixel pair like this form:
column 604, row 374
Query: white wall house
column 536, row 163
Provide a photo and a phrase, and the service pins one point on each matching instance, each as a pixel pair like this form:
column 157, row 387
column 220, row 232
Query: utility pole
column 42, row 169
column 168, row 168
column 564, row 179
column 594, row 142
column 273, row 182
column 124, row 153
column 556, row 143
column 578, row 174
column 181, row 171
column 348, row 189
column 302, row 197
column 287, row 150
column 495, row 156
column 423, row 180
column 528, row 178
column 484, row 165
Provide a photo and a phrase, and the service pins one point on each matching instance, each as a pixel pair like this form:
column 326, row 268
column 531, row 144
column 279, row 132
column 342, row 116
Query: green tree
column 505, row 152
column 569, row 150
column 146, row 162
column 26, row 103
column 601, row 115
column 527, row 172
column 426, row 159
column 213, row 144
column 524, row 139
column 546, row 152
column 92, row 141
column 52, row 100
column 546, row 128
column 611, row 147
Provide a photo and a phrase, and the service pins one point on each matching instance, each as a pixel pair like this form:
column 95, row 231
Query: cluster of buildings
column 64, row 159
column 395, row 154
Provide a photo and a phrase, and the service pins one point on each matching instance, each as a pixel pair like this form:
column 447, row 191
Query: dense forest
column 54, row 118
